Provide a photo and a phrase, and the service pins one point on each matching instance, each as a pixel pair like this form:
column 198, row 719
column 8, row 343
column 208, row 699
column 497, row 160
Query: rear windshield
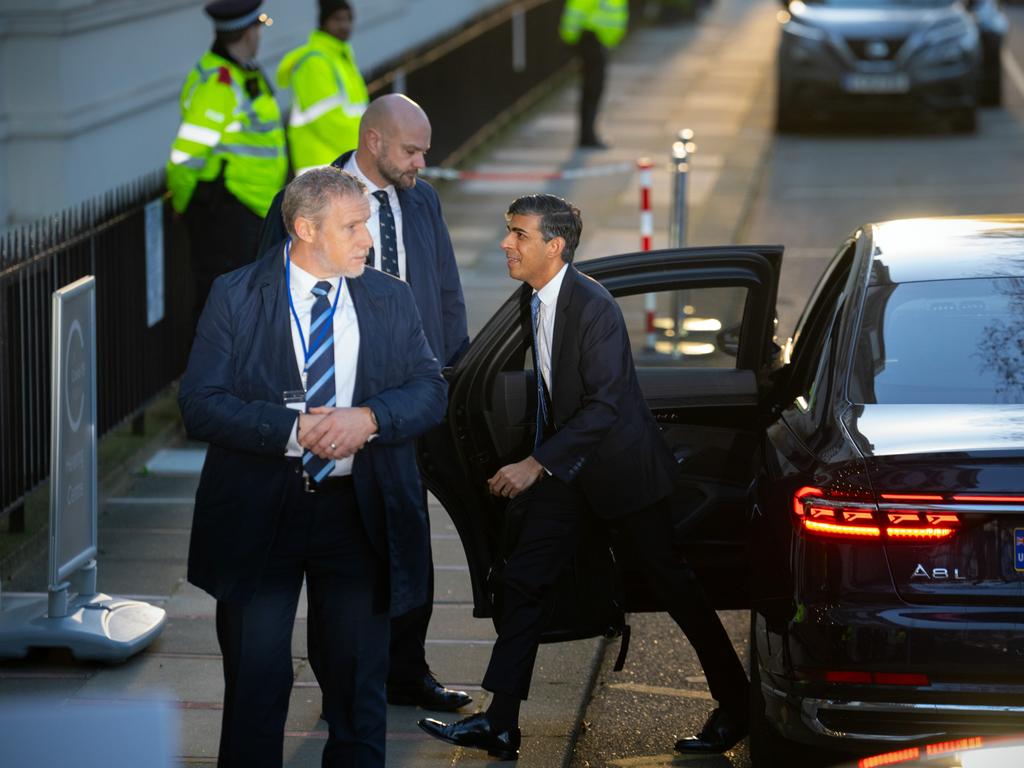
column 947, row 341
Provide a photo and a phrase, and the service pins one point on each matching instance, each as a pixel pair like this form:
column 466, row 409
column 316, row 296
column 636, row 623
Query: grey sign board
column 155, row 262
column 73, row 431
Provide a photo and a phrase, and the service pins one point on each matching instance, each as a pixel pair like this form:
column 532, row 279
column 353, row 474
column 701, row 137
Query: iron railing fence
column 467, row 79
column 465, row 82
column 105, row 237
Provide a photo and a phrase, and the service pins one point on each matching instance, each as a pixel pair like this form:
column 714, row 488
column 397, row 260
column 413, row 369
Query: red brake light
column 958, row 745
column 858, row 677
column 843, row 676
column 821, row 515
column 890, row 758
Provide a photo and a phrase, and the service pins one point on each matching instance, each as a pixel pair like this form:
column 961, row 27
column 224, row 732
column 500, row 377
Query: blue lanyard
column 328, row 321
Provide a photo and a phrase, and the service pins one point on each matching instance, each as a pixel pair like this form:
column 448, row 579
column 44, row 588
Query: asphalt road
column 815, row 189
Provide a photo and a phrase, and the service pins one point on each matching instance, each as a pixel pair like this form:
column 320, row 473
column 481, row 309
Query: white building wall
column 89, row 88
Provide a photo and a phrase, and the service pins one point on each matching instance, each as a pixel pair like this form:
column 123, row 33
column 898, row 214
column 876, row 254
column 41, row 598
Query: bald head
column 394, row 136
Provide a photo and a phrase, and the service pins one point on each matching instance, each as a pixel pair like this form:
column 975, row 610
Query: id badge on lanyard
column 296, row 399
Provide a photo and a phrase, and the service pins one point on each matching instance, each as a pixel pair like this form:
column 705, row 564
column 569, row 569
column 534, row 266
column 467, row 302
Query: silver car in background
column 917, row 57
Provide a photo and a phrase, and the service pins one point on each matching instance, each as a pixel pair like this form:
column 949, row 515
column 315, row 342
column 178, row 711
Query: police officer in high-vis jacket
column 229, row 158
column 593, row 27
column 328, row 93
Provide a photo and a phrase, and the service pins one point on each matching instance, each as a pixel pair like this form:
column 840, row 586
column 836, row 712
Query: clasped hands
column 513, row 479
column 335, row 433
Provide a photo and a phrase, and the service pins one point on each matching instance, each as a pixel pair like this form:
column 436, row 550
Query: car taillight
column 890, row 758
column 896, row 519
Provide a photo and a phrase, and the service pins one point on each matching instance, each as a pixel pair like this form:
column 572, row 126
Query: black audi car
column 860, row 489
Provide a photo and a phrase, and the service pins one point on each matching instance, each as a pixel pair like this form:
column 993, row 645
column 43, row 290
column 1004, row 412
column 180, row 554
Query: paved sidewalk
column 710, row 76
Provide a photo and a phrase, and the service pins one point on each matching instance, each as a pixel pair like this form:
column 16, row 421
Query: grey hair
column 309, row 194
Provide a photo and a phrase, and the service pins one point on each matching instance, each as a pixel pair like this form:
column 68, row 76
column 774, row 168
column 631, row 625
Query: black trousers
column 548, row 540
column 593, row 59
column 408, row 649
column 321, row 537
column 223, row 235
column 408, row 653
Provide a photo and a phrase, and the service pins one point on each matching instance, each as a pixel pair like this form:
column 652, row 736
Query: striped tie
column 542, row 408
column 320, row 371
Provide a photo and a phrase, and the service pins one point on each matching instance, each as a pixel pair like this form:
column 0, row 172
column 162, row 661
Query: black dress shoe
column 722, row 731
column 476, row 731
column 429, row 694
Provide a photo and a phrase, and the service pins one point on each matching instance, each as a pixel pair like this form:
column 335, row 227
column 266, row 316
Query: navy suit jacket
column 430, row 265
column 605, row 438
column 241, row 363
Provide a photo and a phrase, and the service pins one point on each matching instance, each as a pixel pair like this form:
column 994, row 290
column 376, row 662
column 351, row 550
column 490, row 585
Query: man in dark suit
column 310, row 380
column 598, row 451
column 411, row 242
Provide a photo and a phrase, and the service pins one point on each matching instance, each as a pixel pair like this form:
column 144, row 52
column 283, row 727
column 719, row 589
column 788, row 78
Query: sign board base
column 97, row 627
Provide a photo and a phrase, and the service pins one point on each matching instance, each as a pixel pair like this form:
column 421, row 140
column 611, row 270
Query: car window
column 694, row 328
column 943, row 341
column 806, row 354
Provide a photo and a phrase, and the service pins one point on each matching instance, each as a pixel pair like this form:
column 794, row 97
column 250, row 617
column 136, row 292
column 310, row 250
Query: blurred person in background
column 328, row 93
column 228, row 159
column 593, row 27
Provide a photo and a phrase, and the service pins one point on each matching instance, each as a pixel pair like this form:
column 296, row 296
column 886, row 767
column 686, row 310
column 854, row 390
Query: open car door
column 701, row 323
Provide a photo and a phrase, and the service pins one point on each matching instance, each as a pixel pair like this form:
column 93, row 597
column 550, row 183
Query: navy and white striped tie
column 320, row 372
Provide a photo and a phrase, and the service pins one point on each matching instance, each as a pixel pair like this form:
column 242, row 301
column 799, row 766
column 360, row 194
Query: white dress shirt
column 346, row 346
column 546, row 323
column 351, row 166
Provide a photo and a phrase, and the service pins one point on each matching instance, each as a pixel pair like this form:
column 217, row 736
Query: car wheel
column 990, row 92
column 964, row 120
column 787, row 115
column 767, row 747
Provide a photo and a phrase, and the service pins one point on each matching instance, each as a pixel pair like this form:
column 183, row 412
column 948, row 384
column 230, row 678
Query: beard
column 393, row 173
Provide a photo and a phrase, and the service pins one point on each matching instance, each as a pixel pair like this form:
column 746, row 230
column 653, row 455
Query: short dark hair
column 558, row 218
column 223, row 38
column 330, row 7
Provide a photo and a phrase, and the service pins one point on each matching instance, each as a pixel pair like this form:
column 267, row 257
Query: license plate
column 894, row 83
column 1018, row 550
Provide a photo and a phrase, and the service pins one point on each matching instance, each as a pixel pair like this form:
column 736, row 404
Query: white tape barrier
column 451, row 174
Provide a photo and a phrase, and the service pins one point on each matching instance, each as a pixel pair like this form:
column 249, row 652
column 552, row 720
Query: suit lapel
column 565, row 293
column 369, row 317
column 412, row 232
column 277, row 312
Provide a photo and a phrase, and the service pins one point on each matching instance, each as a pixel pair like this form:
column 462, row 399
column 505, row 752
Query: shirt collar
column 549, row 293
column 303, row 282
column 353, row 167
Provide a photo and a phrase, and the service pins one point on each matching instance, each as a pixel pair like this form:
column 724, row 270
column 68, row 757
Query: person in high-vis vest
column 229, row 157
column 593, row 26
column 328, row 94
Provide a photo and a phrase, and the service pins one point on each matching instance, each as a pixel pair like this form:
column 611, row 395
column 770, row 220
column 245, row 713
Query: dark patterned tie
column 320, row 371
column 542, row 407
column 388, row 235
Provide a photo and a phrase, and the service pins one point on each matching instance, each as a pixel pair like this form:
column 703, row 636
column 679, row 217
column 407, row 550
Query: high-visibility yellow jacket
column 607, row 19
column 227, row 133
column 328, row 100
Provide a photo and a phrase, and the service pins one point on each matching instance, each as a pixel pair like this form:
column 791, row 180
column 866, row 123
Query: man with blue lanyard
column 310, row 379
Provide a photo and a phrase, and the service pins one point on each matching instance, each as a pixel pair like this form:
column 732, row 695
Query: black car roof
column 946, row 248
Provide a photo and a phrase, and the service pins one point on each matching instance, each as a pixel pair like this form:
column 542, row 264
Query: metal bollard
column 644, row 166
column 682, row 148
